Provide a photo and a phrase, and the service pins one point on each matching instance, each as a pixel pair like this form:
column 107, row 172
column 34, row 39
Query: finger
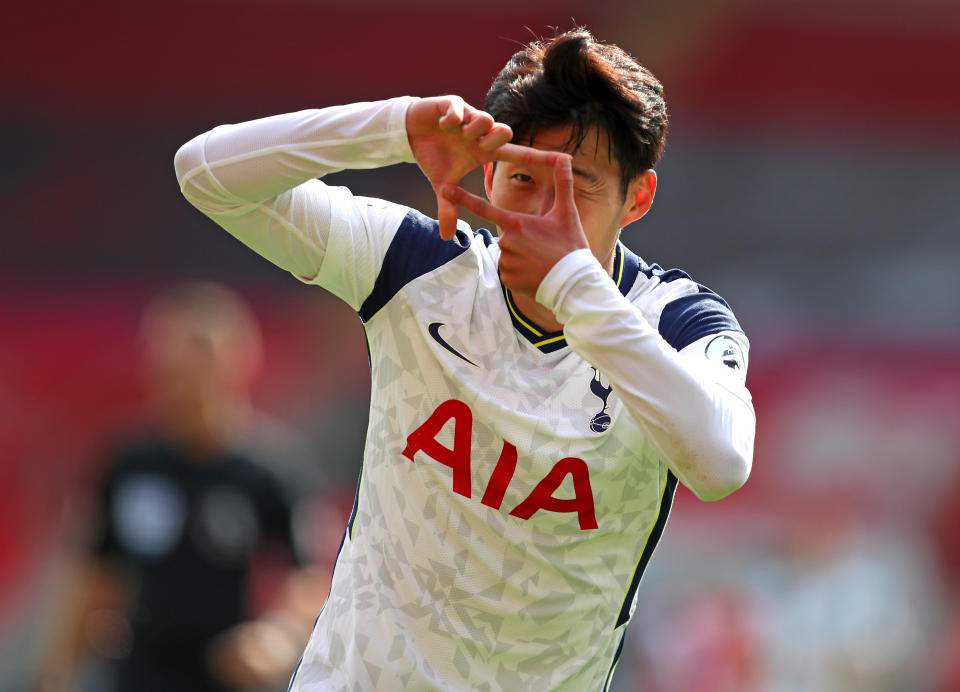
column 528, row 156
column 496, row 137
column 447, row 216
column 477, row 205
column 478, row 125
column 452, row 118
column 563, row 177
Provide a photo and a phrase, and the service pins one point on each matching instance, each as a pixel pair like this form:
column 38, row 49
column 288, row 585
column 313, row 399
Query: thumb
column 447, row 216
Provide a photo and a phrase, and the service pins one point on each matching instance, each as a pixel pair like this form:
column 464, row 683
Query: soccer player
column 535, row 396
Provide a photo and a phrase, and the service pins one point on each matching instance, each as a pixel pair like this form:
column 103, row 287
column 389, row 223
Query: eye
column 522, row 178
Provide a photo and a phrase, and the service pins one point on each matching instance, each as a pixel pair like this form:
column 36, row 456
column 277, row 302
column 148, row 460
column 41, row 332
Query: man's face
column 598, row 190
column 181, row 367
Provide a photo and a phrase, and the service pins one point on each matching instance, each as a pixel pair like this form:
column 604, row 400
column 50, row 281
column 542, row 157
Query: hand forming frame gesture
column 449, row 138
column 529, row 244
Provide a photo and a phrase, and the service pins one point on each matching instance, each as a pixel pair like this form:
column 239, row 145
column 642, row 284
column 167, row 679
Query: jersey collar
column 626, row 266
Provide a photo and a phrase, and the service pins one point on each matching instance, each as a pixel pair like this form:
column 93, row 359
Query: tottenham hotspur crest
column 600, row 422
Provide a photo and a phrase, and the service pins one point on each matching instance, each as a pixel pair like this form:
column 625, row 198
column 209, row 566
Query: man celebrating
column 535, row 396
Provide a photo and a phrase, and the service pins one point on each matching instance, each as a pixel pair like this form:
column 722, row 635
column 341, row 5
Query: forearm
column 256, row 179
column 701, row 426
column 257, row 160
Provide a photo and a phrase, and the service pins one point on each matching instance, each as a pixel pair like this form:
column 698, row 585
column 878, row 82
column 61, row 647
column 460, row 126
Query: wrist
column 400, row 108
column 563, row 276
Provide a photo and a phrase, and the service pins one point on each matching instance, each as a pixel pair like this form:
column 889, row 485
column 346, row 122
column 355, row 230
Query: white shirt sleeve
column 696, row 412
column 258, row 181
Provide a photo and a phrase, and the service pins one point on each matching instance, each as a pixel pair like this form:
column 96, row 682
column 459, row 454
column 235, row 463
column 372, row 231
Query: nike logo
column 434, row 330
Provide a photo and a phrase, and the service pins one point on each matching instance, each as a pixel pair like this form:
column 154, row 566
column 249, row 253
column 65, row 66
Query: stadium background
column 811, row 177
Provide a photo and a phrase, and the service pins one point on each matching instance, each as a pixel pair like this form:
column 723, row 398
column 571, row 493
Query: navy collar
column 626, row 266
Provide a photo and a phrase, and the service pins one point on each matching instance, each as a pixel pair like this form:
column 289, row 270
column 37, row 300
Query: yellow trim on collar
column 620, row 255
column 551, row 340
column 506, row 293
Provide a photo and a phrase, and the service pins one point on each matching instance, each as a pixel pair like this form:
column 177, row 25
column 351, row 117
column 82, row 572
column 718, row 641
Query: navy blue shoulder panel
column 665, row 275
column 415, row 250
column 691, row 317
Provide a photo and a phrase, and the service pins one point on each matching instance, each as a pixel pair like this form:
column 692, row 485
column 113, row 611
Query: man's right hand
column 449, row 138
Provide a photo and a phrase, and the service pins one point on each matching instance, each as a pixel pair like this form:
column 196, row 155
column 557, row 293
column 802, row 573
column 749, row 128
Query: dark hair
column 573, row 79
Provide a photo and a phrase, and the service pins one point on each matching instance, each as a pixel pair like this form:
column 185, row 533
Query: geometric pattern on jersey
column 443, row 581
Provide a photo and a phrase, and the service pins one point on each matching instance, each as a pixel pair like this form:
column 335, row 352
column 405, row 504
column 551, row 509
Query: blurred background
column 811, row 177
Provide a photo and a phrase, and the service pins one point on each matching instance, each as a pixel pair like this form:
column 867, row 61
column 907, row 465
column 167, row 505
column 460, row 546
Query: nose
column 543, row 201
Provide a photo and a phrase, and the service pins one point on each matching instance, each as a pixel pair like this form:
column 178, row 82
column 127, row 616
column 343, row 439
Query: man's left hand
column 531, row 245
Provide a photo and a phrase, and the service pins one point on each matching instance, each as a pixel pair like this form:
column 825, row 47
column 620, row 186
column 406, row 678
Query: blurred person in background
column 186, row 518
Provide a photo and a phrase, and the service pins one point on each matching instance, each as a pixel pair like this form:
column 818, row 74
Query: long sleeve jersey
column 515, row 482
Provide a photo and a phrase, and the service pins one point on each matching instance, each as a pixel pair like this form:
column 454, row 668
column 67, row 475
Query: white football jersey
column 514, row 486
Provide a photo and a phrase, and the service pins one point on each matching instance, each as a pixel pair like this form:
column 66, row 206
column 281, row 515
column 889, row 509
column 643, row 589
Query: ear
column 640, row 196
column 488, row 178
